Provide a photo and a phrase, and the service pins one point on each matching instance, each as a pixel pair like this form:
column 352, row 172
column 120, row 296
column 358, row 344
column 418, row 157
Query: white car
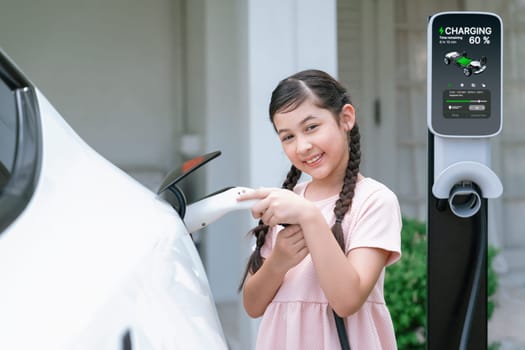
column 90, row 258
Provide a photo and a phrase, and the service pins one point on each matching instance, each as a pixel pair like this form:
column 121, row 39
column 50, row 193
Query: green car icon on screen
column 469, row 65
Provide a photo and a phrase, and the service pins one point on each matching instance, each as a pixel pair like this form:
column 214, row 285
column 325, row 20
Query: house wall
column 111, row 68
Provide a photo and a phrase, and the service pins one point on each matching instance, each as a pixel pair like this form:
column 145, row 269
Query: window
column 20, row 142
column 7, row 133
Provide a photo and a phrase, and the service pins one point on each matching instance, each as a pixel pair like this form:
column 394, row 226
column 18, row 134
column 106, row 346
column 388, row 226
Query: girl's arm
column 346, row 280
column 260, row 288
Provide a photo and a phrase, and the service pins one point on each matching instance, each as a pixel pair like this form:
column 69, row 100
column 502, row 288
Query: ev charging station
column 464, row 111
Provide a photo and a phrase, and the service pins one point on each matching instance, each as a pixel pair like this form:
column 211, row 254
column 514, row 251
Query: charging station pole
column 464, row 111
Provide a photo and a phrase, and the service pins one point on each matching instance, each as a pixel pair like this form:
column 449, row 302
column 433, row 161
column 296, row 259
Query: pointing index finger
column 260, row 193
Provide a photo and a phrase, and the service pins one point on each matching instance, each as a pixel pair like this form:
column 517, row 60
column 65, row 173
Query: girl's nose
column 303, row 145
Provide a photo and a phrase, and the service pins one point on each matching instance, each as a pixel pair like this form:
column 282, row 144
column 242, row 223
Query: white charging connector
column 209, row 209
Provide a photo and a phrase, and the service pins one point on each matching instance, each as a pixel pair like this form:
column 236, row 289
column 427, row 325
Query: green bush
column 492, row 281
column 406, row 287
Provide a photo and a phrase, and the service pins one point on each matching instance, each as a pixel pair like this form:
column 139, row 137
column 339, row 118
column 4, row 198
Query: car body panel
column 95, row 255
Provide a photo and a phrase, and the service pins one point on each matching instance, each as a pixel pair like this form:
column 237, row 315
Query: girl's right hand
column 289, row 250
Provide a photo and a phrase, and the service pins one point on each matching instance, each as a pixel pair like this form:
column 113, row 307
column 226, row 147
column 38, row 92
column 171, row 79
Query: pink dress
column 299, row 316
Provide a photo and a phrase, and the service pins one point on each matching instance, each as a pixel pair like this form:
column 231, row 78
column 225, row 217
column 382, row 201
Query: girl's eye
column 286, row 138
column 311, row 127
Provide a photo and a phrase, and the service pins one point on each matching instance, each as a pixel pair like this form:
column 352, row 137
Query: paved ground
column 507, row 325
column 229, row 316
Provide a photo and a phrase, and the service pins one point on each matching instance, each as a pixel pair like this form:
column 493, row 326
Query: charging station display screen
column 465, row 74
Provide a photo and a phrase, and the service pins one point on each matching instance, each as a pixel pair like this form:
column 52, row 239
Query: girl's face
column 314, row 142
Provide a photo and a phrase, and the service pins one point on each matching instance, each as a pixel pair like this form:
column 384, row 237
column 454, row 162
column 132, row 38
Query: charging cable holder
column 462, row 173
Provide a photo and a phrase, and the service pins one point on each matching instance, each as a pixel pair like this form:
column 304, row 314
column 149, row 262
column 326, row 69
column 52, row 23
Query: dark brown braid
column 346, row 195
column 342, row 206
column 259, row 232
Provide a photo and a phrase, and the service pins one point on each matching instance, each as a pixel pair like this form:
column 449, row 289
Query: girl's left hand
column 277, row 206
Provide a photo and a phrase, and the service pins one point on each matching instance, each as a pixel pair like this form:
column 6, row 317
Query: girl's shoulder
column 368, row 186
column 373, row 195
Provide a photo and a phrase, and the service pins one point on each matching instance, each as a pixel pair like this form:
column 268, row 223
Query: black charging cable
column 482, row 229
column 341, row 332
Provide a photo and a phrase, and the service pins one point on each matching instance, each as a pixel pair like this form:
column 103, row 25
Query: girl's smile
column 314, row 161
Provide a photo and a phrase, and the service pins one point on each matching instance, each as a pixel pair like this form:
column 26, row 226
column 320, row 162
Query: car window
column 7, row 133
column 20, row 142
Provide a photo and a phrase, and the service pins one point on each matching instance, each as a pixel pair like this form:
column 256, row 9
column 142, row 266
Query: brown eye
column 311, row 127
column 286, row 138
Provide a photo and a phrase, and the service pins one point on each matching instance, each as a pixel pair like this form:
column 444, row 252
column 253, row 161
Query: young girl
column 321, row 245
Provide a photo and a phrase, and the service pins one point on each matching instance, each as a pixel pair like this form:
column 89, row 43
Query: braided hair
column 327, row 93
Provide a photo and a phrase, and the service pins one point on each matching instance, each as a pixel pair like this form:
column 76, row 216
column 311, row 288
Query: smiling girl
column 321, row 245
